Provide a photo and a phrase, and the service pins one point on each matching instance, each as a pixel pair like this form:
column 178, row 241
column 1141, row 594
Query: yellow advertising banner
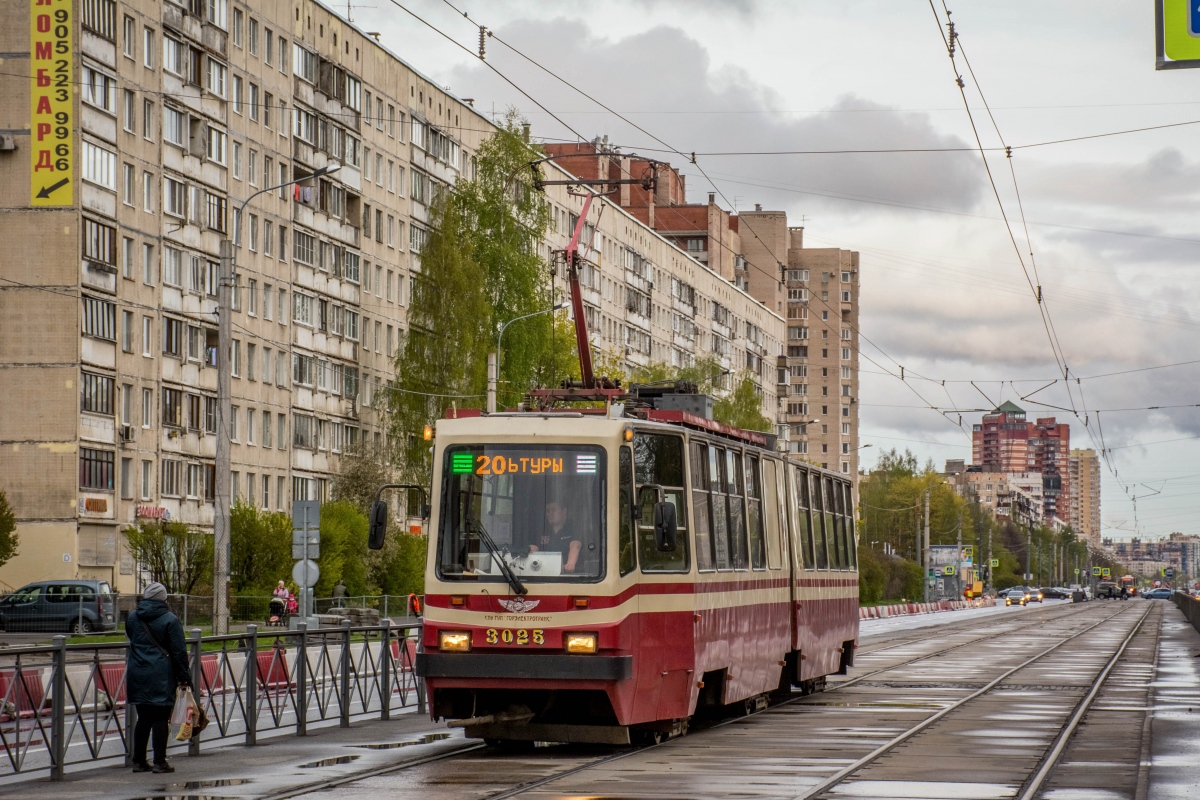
column 52, row 103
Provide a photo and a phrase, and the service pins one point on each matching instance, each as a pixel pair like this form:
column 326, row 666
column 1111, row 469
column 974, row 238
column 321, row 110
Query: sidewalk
column 276, row 766
column 1175, row 727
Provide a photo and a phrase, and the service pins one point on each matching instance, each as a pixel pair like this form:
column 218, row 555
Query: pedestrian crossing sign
column 1096, row 571
column 995, row 562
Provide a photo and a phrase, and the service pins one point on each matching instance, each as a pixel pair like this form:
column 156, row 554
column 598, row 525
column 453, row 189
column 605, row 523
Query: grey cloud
column 663, row 69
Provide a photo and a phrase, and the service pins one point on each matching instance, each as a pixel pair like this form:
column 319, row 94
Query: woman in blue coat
column 155, row 667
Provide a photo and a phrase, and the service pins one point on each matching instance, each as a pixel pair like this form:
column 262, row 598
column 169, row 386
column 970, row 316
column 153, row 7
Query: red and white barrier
column 904, row 609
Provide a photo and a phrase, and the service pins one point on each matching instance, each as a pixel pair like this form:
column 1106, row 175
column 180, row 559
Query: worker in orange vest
column 414, row 605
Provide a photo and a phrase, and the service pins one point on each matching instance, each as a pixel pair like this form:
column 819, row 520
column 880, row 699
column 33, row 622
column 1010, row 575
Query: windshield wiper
column 486, row 538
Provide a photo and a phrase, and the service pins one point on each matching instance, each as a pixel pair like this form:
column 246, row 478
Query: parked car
column 76, row 606
column 1017, row 596
column 1158, row 594
column 1108, row 590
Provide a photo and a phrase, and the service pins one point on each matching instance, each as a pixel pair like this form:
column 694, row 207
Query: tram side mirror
column 378, row 530
column 666, row 531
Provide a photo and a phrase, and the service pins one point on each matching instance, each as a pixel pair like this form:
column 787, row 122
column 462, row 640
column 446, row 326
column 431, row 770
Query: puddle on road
column 426, row 739
column 191, row 786
column 330, row 762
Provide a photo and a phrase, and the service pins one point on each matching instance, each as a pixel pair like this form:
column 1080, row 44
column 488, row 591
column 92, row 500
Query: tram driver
column 559, row 535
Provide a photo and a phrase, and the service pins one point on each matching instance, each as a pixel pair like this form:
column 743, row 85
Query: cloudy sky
column 1111, row 221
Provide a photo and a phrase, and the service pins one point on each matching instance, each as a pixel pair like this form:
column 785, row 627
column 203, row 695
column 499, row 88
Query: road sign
column 52, row 104
column 1077, row 570
column 1169, row 572
column 1177, row 29
column 994, row 562
column 1096, row 571
column 299, row 553
column 306, row 573
column 948, row 570
column 1106, row 572
column 306, row 514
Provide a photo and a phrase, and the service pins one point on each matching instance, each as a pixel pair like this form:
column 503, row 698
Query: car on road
column 76, row 606
column 1017, row 596
column 1035, row 595
column 1056, row 593
column 1158, row 594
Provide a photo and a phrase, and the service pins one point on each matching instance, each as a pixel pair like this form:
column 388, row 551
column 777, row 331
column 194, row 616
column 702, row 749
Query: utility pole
column 958, row 572
column 925, row 565
column 990, row 584
column 1029, row 553
column 225, row 285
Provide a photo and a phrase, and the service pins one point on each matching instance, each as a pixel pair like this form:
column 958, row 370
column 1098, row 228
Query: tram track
column 1035, row 782
column 512, row 791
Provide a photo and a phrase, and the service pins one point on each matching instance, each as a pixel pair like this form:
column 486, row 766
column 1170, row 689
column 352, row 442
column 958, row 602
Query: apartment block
column 177, row 112
column 648, row 301
column 815, row 289
column 1005, row 441
column 1084, row 471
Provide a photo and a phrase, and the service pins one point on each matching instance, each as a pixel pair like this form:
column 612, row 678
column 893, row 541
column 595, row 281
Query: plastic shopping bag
column 183, row 714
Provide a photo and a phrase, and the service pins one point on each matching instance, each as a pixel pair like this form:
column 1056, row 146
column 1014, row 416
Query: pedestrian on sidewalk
column 156, row 665
column 340, row 593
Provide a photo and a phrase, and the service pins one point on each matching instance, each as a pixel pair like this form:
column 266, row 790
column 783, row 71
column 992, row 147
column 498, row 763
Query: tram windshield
column 540, row 508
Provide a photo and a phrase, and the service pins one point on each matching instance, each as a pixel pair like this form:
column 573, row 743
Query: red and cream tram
column 602, row 577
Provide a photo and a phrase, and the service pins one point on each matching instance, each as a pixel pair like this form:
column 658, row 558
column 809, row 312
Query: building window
column 127, row 331
column 100, row 17
column 100, row 244
column 99, row 319
column 172, row 337
column 128, row 45
column 172, row 478
column 172, row 408
column 96, row 394
column 95, row 469
column 99, row 166
column 99, row 89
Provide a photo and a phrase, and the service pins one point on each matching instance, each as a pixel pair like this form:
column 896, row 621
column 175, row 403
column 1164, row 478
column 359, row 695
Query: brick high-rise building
column 1005, row 441
column 1085, row 495
column 816, row 289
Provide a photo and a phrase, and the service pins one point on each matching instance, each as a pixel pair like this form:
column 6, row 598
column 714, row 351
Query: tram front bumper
column 524, row 665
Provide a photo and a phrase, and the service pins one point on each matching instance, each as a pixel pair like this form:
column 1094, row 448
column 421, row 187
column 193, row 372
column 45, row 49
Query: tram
column 602, row 573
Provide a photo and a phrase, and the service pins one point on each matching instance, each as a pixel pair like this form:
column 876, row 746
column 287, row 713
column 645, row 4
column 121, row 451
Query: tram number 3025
column 519, row 636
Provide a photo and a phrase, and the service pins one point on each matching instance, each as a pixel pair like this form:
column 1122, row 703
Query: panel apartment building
column 1084, row 473
column 178, row 111
column 815, row 289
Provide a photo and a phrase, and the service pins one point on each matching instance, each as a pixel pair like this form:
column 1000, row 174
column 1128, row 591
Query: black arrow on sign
column 48, row 190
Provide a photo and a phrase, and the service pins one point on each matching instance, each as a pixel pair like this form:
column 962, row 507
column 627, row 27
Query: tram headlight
column 454, row 641
column 580, row 642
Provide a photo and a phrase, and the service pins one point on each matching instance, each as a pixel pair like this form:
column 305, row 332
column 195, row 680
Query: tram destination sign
column 558, row 463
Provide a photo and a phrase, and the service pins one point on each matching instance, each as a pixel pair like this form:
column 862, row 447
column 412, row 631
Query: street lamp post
column 221, row 532
column 494, row 358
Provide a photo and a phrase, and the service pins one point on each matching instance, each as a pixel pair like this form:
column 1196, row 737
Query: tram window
column 509, row 501
column 701, row 514
column 626, row 542
column 737, row 510
column 771, row 511
column 826, row 484
column 819, row 523
column 720, row 523
column 842, row 559
column 658, row 459
column 754, row 517
column 850, row 526
column 804, row 520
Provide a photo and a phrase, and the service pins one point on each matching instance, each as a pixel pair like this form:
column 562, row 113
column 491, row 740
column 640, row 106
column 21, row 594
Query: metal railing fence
column 1190, row 606
column 63, row 705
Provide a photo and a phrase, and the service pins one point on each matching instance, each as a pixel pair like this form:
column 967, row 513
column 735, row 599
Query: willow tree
column 479, row 269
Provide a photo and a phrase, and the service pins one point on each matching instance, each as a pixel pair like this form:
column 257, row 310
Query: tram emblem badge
column 519, row 605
